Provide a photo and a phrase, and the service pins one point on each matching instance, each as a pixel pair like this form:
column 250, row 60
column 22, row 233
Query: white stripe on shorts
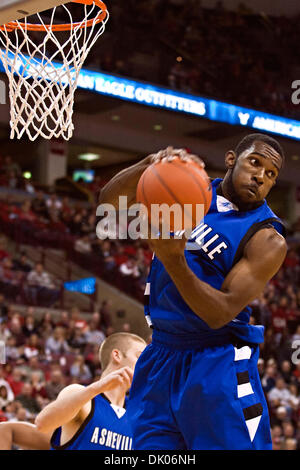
column 252, row 425
column 147, row 289
column 244, row 390
column 242, row 353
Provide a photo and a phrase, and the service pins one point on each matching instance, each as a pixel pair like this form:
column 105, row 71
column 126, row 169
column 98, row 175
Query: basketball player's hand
column 168, row 154
column 118, row 378
column 166, row 249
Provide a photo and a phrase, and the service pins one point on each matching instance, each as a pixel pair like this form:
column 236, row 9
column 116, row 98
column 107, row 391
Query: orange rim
column 11, row 26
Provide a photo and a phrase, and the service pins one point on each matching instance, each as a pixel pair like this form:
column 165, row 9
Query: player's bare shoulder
column 266, row 246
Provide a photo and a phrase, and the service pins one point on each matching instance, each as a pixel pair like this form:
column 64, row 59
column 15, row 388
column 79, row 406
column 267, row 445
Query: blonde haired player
column 86, row 418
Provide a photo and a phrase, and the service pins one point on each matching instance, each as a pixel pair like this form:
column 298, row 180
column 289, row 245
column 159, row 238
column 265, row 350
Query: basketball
column 183, row 183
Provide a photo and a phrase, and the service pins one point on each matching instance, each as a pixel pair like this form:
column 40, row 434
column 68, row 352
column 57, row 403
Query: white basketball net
column 43, row 76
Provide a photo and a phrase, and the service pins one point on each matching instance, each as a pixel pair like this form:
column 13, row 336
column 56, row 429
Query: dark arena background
column 192, row 74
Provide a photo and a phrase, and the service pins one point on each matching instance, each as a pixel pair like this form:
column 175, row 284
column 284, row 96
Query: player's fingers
column 125, row 376
column 161, row 155
column 128, row 374
column 198, row 160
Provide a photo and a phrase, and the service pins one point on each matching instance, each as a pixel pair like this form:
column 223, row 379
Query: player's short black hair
column 248, row 141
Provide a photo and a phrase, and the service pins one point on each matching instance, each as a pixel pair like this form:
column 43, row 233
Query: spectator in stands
column 64, row 319
column 21, row 414
column 278, row 315
column 281, row 416
column 10, row 281
column 3, row 308
column 16, row 331
column 92, row 360
column 280, row 395
column 41, row 289
column 296, row 373
column 27, row 400
column 89, row 225
column 75, row 224
column 93, row 335
column 12, row 353
column 4, row 397
column 32, row 347
column 55, row 384
column 130, row 268
column 105, row 315
column 38, row 385
column 54, row 207
column 11, row 410
column 46, row 325
column 286, row 371
column 33, row 365
column 9, row 165
column 3, row 251
column 83, row 245
column 290, row 444
column 296, row 335
column 26, row 213
column 56, row 343
column 27, row 185
column 29, row 326
column 294, row 398
column 65, row 206
column 288, row 430
column 15, row 381
column 22, row 264
column 120, row 256
column 5, row 383
column 12, row 180
column 77, row 341
column 76, row 318
column 39, row 206
column 80, row 371
column 5, row 333
column 292, row 316
column 269, row 378
column 106, row 254
column 277, row 438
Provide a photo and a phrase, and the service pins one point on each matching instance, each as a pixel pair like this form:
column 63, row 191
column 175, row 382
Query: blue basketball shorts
column 198, row 399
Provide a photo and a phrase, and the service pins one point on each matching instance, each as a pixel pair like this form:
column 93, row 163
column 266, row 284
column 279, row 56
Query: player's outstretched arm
column 125, row 182
column 263, row 256
column 73, row 402
column 24, row 435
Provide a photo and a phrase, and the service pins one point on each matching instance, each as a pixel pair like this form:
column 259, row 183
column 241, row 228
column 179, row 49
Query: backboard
column 11, row 10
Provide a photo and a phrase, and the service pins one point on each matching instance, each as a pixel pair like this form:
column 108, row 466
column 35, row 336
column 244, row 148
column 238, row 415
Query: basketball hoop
column 43, row 62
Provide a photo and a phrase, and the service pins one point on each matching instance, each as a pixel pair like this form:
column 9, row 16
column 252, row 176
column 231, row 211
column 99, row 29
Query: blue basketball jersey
column 106, row 427
column 213, row 248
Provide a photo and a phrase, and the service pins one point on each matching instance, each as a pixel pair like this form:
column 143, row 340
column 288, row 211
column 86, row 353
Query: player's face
column 132, row 354
column 255, row 172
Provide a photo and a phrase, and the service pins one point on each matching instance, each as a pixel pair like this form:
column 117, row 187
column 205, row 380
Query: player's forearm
column 210, row 304
column 6, row 439
column 64, row 409
column 123, row 183
column 24, row 435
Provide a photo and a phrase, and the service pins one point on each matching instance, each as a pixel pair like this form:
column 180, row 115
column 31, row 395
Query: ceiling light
column 27, row 175
column 89, row 157
column 179, row 58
